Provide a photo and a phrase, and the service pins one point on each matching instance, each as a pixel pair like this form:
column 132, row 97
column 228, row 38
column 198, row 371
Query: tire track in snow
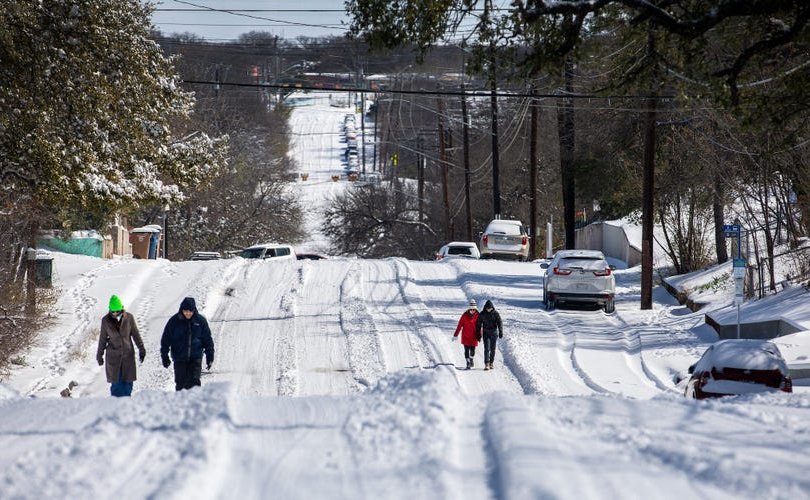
column 401, row 345
column 286, row 353
column 250, row 322
column 633, row 335
column 594, row 349
column 420, row 313
column 362, row 337
column 565, row 345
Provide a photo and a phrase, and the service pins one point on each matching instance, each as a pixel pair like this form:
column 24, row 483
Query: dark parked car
column 733, row 367
column 205, row 256
column 309, row 256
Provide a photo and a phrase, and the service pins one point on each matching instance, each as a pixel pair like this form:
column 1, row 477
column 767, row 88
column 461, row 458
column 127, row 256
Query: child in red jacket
column 469, row 337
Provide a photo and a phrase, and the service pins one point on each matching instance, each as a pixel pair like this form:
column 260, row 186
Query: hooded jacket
column 187, row 338
column 116, row 338
column 466, row 325
column 489, row 323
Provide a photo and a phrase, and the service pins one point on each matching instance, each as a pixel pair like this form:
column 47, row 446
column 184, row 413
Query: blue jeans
column 121, row 388
column 489, row 348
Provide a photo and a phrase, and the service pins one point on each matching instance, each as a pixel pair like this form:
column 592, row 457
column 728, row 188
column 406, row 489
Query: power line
column 470, row 93
column 178, row 9
column 236, row 13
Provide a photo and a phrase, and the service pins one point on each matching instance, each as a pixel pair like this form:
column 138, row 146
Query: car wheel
column 610, row 306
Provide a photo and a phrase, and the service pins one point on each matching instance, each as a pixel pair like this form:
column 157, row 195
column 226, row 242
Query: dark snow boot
column 469, row 363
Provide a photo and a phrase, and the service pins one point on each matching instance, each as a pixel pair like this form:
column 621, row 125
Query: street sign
column 731, row 228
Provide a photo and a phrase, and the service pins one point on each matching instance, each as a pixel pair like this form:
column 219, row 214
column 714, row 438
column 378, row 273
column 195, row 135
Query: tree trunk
column 718, row 212
column 533, row 181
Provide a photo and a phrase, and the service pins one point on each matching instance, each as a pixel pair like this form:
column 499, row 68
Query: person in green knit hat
column 118, row 331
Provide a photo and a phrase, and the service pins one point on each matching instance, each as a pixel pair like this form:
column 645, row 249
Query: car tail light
column 561, row 272
column 485, row 239
column 525, row 240
column 606, row 272
column 786, row 385
column 703, row 380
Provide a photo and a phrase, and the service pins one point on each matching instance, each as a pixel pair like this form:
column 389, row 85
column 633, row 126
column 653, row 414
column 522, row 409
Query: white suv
column 505, row 238
column 458, row 249
column 268, row 251
column 579, row 276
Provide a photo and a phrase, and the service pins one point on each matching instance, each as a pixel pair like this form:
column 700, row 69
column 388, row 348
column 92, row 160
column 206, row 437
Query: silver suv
column 504, row 238
column 582, row 276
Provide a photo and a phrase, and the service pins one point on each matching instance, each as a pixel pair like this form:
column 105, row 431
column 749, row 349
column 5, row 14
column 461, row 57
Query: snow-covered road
column 338, row 378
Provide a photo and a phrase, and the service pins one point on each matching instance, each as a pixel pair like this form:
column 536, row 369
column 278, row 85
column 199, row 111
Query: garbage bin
column 145, row 241
column 153, row 245
column 44, row 270
column 140, row 241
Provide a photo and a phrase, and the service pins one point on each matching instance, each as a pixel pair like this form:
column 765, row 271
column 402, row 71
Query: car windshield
column 459, row 251
column 592, row 263
column 251, row 253
column 507, row 229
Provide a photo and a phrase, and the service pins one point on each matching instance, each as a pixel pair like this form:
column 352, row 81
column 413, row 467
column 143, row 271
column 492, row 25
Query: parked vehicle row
column 350, row 158
column 262, row 251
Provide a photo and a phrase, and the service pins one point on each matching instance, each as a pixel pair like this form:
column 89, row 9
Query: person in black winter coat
column 187, row 336
column 490, row 327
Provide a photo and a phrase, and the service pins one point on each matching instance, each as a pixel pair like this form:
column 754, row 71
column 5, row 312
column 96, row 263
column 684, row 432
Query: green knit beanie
column 115, row 304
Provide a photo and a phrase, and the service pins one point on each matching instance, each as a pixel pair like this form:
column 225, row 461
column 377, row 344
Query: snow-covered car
column 459, row 249
column 205, row 256
column 579, row 276
column 268, row 251
column 504, row 238
column 738, row 366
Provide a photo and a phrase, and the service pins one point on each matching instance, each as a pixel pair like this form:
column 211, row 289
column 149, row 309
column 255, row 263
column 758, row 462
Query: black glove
column 141, row 355
column 100, row 360
column 166, row 361
column 500, row 335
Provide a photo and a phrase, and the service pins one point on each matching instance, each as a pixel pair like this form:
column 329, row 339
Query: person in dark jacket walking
column 466, row 325
column 118, row 330
column 187, row 336
column 489, row 326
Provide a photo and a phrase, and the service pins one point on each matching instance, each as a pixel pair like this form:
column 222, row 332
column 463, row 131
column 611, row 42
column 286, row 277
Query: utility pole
column 496, row 182
column 648, row 191
column 443, row 160
column 493, row 99
column 420, row 183
column 376, row 113
column 362, row 84
column 277, row 69
column 533, row 179
column 466, row 140
column 567, row 155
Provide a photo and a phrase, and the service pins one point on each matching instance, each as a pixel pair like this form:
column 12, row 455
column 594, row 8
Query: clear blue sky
column 285, row 18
